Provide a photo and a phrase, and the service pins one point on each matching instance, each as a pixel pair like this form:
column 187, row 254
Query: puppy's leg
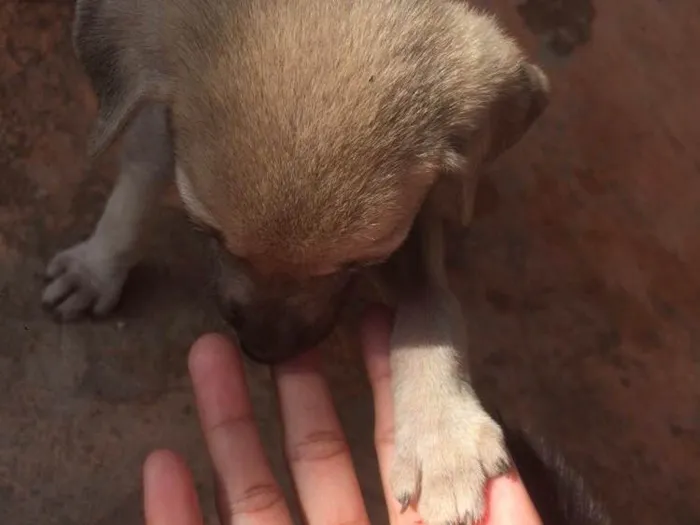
column 89, row 277
column 447, row 446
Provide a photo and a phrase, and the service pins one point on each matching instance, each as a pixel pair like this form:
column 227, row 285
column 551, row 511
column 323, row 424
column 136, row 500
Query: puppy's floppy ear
column 518, row 107
column 522, row 99
column 120, row 45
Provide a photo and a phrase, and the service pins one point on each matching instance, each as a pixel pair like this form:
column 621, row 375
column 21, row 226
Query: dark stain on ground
column 500, row 300
column 109, row 378
column 486, row 202
column 563, row 24
column 15, row 189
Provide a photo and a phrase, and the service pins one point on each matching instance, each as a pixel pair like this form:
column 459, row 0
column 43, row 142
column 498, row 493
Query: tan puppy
column 315, row 138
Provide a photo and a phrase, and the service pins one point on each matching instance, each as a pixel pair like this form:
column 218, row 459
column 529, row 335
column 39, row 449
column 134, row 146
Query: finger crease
column 256, row 499
column 357, row 521
column 379, row 378
column 318, row 446
column 384, row 437
column 230, row 425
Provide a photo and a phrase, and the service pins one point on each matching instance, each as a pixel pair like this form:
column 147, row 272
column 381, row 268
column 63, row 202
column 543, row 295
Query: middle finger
column 318, row 453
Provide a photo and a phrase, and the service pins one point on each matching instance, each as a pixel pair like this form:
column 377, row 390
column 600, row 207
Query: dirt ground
column 580, row 286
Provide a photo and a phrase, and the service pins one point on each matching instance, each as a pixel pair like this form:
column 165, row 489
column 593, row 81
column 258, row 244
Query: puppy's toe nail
column 405, row 501
column 57, row 292
column 476, row 513
column 503, row 467
column 48, row 302
column 54, row 269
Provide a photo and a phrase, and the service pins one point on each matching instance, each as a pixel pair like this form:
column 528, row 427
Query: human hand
column 317, row 451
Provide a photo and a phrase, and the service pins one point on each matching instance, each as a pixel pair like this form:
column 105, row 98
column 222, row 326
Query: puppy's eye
column 355, row 266
column 205, row 229
column 352, row 267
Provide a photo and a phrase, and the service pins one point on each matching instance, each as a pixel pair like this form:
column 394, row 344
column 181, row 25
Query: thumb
column 168, row 491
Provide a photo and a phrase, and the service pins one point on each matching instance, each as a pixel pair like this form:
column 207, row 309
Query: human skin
column 317, row 451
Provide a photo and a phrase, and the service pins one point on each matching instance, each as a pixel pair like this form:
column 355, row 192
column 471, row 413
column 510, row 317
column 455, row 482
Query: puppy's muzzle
column 272, row 339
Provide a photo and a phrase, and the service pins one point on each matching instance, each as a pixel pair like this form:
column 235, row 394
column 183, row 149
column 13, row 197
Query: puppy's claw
column 405, row 501
column 472, row 519
column 451, row 461
column 503, row 467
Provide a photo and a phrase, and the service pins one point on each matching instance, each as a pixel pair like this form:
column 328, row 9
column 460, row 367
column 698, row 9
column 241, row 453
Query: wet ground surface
column 581, row 283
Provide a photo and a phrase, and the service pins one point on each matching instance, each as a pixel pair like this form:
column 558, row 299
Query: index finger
column 250, row 493
column 169, row 494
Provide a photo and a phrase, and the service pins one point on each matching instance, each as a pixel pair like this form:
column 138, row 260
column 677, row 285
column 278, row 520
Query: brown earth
column 581, row 281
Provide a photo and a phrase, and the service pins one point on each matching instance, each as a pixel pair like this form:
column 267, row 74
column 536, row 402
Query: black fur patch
column 557, row 491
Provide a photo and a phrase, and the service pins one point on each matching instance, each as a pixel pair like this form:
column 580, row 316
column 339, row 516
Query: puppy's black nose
column 271, row 337
column 236, row 319
column 277, row 339
column 232, row 314
column 271, row 348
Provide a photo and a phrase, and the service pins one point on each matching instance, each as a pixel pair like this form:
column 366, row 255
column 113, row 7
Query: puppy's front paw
column 82, row 282
column 444, row 459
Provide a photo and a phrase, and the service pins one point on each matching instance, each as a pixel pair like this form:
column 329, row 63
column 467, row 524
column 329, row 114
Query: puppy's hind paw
column 442, row 464
column 80, row 282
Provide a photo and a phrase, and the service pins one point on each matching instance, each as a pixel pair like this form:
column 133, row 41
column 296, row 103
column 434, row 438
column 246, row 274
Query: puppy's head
column 290, row 238
column 308, row 134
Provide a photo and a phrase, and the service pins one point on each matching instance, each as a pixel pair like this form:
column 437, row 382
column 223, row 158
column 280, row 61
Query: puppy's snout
column 232, row 313
column 273, row 341
column 268, row 337
column 275, row 329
